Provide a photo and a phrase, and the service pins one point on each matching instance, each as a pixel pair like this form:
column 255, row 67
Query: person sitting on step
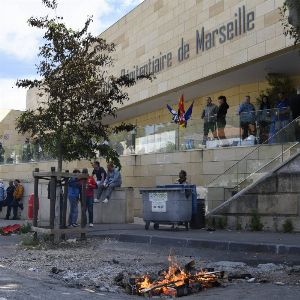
column 112, row 181
column 182, row 178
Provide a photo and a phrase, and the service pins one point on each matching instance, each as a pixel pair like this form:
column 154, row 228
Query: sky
column 19, row 43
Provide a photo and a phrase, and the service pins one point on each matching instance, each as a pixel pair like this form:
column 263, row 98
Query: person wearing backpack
column 18, row 196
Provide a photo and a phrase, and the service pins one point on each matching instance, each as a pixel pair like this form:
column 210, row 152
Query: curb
column 198, row 243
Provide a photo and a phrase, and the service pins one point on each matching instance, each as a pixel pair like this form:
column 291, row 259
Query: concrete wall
column 276, row 197
column 150, row 170
column 118, row 211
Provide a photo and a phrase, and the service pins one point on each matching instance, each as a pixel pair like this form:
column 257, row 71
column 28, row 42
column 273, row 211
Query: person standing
column 221, row 116
column 295, row 104
column 73, row 195
column 26, row 151
column 295, row 108
column 209, row 115
column 2, row 194
column 2, row 151
column 282, row 119
column 100, row 174
column 112, row 181
column 9, row 198
column 264, row 119
column 283, row 111
column 18, row 196
column 247, row 118
column 182, row 178
column 91, row 185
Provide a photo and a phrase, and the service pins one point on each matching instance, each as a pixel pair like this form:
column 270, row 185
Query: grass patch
column 222, row 222
column 288, row 226
column 29, row 240
column 255, row 224
column 25, row 228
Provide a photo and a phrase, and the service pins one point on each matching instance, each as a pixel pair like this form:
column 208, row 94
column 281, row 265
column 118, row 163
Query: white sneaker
column 96, row 200
column 105, row 200
column 91, row 225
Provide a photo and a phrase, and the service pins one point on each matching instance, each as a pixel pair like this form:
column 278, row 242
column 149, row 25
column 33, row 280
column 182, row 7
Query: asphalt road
column 14, row 286
column 29, row 285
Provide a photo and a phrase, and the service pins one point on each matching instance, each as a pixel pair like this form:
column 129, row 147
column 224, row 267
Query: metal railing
column 170, row 137
column 260, row 160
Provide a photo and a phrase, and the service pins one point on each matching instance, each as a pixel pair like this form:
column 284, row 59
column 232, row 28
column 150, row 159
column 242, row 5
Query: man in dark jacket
column 73, row 195
column 209, row 115
column 100, row 174
column 295, row 108
column 221, row 116
column 9, row 198
column 247, row 118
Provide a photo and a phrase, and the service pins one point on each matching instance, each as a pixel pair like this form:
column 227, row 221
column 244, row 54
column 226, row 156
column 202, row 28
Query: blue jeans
column 89, row 207
column 73, row 216
column 107, row 191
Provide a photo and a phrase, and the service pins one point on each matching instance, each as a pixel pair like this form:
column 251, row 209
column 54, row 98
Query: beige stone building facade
column 8, row 135
column 197, row 48
column 10, row 140
column 221, row 54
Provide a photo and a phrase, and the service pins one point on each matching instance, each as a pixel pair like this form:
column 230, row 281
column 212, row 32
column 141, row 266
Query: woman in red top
column 90, row 186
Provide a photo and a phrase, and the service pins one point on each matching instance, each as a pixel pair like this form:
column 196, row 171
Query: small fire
column 177, row 280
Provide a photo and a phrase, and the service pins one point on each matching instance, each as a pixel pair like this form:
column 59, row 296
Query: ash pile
column 175, row 281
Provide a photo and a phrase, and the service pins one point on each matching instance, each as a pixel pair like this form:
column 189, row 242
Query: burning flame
column 175, row 276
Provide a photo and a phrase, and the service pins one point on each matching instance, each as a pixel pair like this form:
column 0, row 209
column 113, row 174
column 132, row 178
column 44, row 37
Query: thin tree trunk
column 59, row 193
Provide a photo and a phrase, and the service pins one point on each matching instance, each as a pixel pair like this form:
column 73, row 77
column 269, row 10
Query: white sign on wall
column 159, row 201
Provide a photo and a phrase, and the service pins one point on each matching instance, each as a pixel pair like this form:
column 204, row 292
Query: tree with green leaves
column 290, row 13
column 278, row 83
column 77, row 90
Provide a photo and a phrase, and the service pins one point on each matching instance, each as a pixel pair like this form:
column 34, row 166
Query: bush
column 210, row 222
column 288, row 226
column 29, row 240
column 278, row 83
column 255, row 223
column 222, row 222
column 238, row 226
column 25, row 228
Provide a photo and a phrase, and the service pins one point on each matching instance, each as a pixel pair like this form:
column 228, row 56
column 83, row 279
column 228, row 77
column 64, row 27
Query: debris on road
column 105, row 265
column 6, row 230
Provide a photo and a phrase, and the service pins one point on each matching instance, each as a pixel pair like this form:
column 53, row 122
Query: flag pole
column 178, row 129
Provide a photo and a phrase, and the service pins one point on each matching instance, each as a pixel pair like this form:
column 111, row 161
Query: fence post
column 36, row 201
column 65, row 205
column 83, row 207
column 52, row 187
column 178, row 139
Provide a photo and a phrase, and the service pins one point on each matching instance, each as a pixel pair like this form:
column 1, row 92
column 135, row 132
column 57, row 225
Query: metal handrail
column 255, row 149
column 268, row 163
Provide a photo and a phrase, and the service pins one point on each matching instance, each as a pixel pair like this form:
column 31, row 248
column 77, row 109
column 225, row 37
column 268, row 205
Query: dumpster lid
column 165, row 189
column 177, row 185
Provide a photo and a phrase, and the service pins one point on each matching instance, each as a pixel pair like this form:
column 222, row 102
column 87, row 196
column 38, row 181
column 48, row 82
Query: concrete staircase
column 247, row 171
column 274, row 196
